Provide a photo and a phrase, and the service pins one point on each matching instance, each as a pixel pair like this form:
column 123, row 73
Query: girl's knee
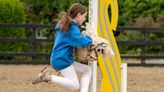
column 75, row 86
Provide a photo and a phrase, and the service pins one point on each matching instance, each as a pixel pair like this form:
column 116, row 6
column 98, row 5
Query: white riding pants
column 70, row 79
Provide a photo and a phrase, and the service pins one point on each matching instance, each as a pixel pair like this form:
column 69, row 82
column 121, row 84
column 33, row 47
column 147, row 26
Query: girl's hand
column 94, row 37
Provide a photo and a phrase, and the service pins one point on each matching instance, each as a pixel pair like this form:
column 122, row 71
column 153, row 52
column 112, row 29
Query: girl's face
column 80, row 18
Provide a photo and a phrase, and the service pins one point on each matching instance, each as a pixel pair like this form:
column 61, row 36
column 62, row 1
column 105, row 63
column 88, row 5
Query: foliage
column 133, row 9
column 46, row 11
column 146, row 13
column 11, row 11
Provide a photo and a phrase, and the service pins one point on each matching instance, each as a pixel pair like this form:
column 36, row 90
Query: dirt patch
column 146, row 79
column 17, row 78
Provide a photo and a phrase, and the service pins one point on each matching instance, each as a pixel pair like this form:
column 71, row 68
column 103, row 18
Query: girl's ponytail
column 65, row 22
column 66, row 18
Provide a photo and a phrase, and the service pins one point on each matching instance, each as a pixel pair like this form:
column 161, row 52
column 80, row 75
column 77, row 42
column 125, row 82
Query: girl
column 67, row 37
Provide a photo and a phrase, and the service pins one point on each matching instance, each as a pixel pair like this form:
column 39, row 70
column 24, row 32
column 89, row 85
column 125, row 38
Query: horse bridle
column 90, row 49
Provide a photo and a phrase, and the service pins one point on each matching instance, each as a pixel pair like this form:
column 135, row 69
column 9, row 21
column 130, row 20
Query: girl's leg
column 69, row 79
column 86, row 75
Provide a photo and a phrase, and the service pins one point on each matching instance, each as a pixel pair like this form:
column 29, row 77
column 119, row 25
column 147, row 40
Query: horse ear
column 92, row 47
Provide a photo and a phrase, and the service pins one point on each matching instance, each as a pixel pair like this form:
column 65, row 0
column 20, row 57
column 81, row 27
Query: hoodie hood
column 57, row 27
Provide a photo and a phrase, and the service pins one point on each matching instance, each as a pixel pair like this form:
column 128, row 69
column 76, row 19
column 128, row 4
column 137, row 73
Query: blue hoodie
column 61, row 55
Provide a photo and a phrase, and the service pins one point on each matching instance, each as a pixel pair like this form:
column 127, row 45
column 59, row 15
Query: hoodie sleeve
column 77, row 39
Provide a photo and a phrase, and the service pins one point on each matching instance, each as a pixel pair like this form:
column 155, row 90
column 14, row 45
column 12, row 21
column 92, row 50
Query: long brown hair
column 65, row 22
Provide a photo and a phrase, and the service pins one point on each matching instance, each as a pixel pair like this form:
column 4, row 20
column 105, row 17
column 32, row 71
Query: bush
column 145, row 13
column 11, row 11
column 45, row 11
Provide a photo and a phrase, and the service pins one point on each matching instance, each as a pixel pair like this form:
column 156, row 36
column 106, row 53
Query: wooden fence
column 142, row 43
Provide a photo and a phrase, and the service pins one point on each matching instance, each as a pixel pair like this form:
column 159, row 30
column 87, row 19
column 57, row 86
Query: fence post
column 33, row 42
column 143, row 53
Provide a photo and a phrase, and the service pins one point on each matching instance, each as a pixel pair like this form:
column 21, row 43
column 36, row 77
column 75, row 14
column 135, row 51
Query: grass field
column 17, row 78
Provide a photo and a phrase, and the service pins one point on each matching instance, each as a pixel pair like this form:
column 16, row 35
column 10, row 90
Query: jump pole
column 124, row 77
column 96, row 7
column 93, row 17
